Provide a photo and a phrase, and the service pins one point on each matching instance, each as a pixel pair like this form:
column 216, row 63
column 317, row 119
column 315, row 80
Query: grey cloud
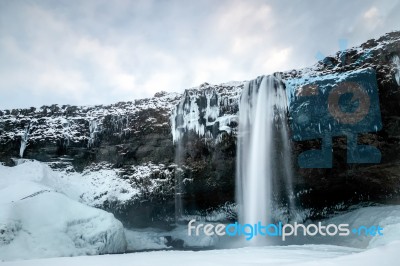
column 103, row 52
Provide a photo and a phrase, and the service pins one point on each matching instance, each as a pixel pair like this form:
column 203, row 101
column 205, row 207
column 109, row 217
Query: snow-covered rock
column 91, row 187
column 36, row 221
column 76, row 124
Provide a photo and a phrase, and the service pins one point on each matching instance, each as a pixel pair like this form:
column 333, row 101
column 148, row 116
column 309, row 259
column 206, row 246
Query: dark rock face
column 345, row 184
column 124, row 133
column 195, row 134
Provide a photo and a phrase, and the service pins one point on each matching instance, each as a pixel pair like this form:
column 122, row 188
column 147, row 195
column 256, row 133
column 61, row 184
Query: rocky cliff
column 148, row 144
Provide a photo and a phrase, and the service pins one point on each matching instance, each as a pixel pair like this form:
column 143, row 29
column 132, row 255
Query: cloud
column 371, row 13
column 244, row 24
column 278, row 60
column 67, row 83
column 373, row 18
column 102, row 52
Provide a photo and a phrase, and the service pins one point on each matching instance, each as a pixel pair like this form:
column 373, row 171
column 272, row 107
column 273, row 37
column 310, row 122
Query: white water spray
column 263, row 150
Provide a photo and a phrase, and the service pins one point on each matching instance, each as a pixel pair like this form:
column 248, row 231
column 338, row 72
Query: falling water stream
column 263, row 151
column 24, row 140
column 178, row 182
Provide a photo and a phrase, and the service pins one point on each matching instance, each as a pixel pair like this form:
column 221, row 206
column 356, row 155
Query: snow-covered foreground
column 308, row 255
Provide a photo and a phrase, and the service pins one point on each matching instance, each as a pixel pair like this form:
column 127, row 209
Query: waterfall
column 396, row 63
column 178, row 186
column 24, row 140
column 178, row 183
column 263, row 151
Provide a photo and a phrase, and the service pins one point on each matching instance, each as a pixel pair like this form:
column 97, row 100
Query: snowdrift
column 36, row 221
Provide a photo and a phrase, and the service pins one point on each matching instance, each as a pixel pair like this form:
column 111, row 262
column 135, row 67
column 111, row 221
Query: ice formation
column 208, row 111
column 396, row 62
column 93, row 131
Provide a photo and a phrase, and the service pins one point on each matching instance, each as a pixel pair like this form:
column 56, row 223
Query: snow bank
column 92, row 187
column 38, row 222
column 388, row 217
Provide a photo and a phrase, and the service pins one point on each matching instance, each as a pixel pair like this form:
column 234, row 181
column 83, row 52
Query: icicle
column 396, row 62
column 24, row 140
column 93, row 130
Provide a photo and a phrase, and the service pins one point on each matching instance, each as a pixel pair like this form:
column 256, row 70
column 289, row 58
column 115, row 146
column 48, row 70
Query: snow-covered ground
column 308, row 255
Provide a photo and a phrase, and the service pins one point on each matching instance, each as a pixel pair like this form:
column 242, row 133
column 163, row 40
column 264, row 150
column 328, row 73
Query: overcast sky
column 93, row 52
